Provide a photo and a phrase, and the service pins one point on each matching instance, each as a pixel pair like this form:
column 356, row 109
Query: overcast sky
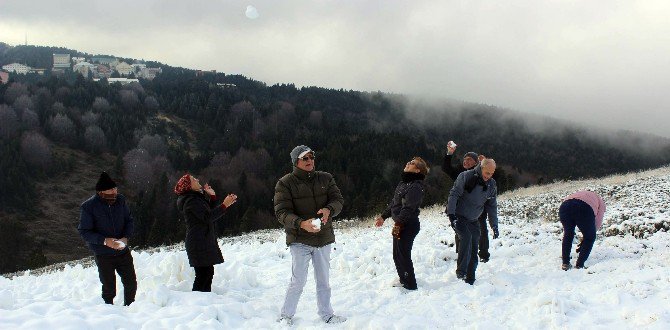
column 601, row 62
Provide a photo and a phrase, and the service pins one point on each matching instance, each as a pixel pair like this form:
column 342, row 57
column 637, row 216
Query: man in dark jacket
column 473, row 193
column 304, row 202
column 106, row 224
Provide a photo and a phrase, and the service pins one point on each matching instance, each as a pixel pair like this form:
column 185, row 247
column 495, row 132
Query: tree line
column 238, row 138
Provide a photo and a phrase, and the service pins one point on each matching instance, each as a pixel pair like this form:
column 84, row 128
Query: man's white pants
column 301, row 255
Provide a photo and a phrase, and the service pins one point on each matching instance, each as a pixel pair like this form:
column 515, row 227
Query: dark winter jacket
column 200, row 213
column 404, row 207
column 99, row 220
column 298, row 196
column 471, row 195
column 452, row 170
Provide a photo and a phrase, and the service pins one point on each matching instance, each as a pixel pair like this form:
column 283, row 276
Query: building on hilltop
column 201, row 73
column 149, row 73
column 84, row 68
column 17, row 68
column 102, row 71
column 122, row 81
column 124, row 68
column 103, row 60
column 137, row 67
column 61, row 61
column 76, row 60
column 113, row 64
column 39, row 71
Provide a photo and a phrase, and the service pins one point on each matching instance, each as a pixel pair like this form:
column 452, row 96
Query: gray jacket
column 471, row 195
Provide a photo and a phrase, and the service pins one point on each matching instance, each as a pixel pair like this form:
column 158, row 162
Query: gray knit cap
column 299, row 151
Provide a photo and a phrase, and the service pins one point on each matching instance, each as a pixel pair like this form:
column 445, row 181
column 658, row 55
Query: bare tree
column 62, row 94
column 129, row 99
column 89, row 118
column 243, row 107
column 100, row 104
column 154, row 144
column 35, row 150
column 62, row 128
column 30, row 120
column 135, row 87
column 22, row 103
column 137, row 166
column 315, row 118
column 151, row 103
column 161, row 165
column 58, row 107
column 8, row 122
column 95, row 139
column 14, row 91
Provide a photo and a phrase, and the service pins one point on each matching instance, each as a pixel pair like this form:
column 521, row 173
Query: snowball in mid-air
column 252, row 12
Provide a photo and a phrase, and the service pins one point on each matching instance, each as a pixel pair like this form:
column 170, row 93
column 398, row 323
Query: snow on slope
column 627, row 284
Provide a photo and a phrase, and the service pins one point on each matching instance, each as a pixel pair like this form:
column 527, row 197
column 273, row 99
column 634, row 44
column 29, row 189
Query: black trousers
column 203, row 278
column 467, row 251
column 576, row 213
column 123, row 265
column 402, row 254
column 483, row 238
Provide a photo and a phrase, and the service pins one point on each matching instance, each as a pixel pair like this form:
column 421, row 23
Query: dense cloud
column 598, row 62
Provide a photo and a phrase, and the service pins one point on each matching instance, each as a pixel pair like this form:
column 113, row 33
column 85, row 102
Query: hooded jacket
column 471, row 195
column 298, row 196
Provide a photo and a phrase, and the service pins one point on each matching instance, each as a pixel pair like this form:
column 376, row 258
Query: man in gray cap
column 305, row 201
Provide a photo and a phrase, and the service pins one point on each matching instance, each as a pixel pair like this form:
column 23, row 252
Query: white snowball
column 252, row 12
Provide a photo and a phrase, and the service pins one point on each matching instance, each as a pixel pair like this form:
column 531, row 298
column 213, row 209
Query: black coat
column 200, row 214
column 452, row 170
column 99, row 220
column 404, row 207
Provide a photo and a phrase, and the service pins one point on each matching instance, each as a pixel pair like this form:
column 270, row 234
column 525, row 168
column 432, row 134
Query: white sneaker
column 397, row 284
column 287, row 320
column 334, row 319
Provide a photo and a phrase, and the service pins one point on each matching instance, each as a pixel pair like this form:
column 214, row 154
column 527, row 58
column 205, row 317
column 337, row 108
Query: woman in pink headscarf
column 585, row 210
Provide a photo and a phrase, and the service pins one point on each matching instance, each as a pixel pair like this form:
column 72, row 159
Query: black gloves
column 496, row 234
column 452, row 220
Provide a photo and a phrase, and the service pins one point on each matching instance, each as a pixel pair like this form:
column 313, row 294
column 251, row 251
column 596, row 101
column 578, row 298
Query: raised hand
column 230, row 200
column 208, row 189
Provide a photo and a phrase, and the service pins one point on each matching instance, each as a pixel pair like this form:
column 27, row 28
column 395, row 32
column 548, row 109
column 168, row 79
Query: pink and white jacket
column 594, row 201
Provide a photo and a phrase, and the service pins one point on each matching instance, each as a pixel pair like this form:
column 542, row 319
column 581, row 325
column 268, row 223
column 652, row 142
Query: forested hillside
column 58, row 133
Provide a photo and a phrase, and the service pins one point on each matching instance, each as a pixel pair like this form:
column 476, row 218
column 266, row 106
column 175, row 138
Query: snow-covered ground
column 627, row 284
